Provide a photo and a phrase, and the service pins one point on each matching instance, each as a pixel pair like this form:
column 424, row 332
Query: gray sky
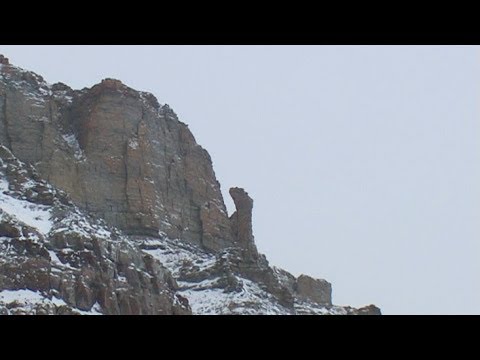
column 363, row 161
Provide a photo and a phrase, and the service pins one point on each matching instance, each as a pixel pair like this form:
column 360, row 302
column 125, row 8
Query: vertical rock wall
column 118, row 153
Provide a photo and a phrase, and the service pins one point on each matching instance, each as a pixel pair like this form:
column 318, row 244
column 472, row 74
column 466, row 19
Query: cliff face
column 137, row 219
column 118, row 154
column 56, row 259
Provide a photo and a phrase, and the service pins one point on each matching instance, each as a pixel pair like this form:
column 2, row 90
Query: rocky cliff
column 108, row 205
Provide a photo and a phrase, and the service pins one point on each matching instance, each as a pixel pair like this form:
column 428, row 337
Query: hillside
column 109, row 206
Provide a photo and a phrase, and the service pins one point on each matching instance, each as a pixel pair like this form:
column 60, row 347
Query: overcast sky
column 363, row 161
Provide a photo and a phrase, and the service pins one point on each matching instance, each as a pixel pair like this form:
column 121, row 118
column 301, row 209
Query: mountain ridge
column 145, row 193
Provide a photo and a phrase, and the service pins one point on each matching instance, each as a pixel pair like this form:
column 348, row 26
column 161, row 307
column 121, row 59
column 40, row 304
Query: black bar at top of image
column 242, row 38
column 227, row 36
column 200, row 23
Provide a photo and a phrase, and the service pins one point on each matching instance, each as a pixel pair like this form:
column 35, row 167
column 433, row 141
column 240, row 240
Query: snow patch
column 72, row 142
column 9, row 296
column 173, row 257
column 79, row 224
column 250, row 300
column 28, row 298
column 95, row 310
column 45, row 92
column 55, row 261
column 34, row 215
column 133, row 144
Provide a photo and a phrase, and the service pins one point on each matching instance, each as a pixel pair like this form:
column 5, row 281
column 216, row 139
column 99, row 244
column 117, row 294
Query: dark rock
column 241, row 221
column 4, row 60
column 369, row 310
column 316, row 290
column 9, row 230
column 61, row 87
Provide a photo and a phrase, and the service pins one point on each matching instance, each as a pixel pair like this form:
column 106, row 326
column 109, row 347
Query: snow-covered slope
column 52, row 254
column 55, row 259
column 34, row 215
column 211, row 289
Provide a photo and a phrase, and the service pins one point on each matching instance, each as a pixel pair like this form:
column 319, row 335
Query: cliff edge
column 108, row 205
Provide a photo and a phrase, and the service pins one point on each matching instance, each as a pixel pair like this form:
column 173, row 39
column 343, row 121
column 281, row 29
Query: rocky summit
column 109, row 206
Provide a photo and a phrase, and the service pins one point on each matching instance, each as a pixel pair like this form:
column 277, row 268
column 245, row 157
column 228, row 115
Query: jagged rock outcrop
column 367, row 310
column 241, row 221
column 316, row 290
column 109, row 206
